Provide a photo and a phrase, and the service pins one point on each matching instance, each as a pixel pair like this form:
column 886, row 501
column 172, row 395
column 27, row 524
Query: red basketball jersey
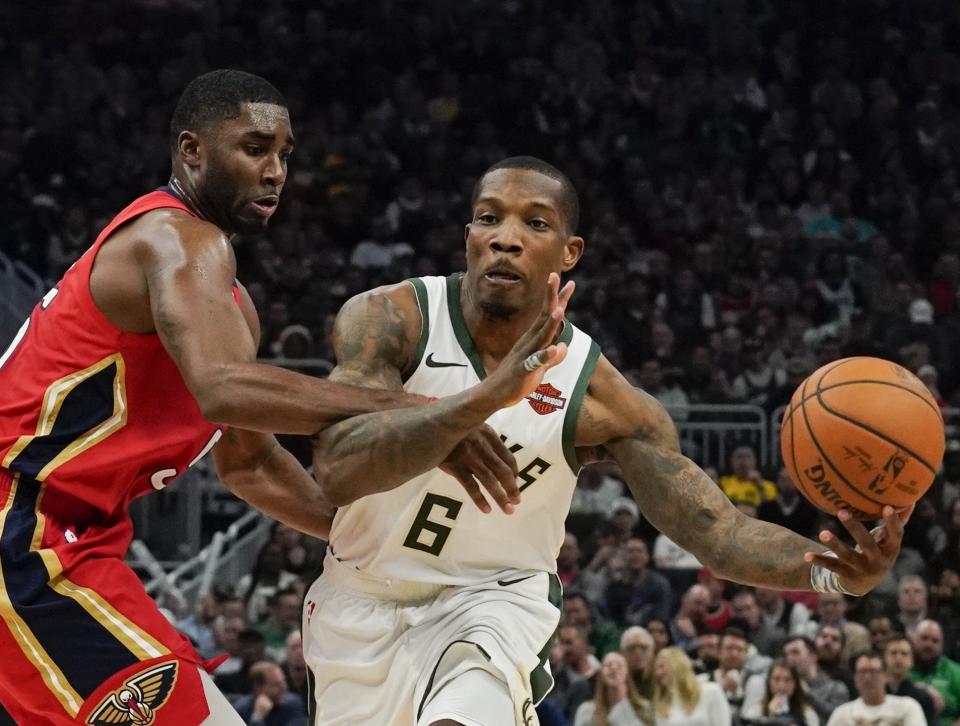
column 99, row 415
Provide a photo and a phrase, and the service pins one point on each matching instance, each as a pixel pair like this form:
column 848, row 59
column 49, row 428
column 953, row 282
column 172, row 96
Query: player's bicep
column 374, row 338
column 190, row 282
column 614, row 409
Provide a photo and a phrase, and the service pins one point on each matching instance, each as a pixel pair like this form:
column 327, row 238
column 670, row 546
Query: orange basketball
column 860, row 433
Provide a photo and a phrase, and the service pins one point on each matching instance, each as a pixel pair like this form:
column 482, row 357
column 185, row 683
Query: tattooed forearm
column 407, row 443
column 683, row 503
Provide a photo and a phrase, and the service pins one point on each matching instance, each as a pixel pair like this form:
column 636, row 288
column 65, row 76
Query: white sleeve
column 623, row 715
column 718, row 710
column 913, row 713
column 584, row 714
column 753, row 694
column 839, row 716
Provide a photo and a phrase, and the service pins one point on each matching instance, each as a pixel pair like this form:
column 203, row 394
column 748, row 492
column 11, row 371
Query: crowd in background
column 766, row 186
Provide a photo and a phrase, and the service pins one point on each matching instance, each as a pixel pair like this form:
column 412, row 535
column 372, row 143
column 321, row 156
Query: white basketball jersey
column 428, row 529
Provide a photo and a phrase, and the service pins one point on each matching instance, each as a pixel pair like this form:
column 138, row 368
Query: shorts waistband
column 347, row 578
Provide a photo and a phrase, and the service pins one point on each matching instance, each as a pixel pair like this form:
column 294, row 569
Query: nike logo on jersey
column 431, row 363
column 507, row 583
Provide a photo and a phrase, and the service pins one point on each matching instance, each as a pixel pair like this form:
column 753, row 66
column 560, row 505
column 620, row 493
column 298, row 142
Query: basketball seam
column 873, row 431
column 793, row 454
column 827, row 460
column 865, row 380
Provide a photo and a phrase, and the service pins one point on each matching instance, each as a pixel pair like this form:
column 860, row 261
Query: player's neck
column 492, row 336
column 185, row 191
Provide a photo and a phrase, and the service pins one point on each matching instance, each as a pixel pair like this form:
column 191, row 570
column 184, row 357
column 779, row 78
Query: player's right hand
column 523, row 368
column 482, row 460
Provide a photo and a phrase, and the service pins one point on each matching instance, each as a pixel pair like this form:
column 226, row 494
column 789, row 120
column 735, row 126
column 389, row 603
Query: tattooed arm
column 624, row 423
column 374, row 337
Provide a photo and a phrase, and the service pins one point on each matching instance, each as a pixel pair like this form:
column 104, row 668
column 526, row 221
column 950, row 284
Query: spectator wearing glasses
column 875, row 705
column 637, row 646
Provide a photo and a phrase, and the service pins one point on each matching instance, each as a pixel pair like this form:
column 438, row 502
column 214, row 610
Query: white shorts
column 393, row 653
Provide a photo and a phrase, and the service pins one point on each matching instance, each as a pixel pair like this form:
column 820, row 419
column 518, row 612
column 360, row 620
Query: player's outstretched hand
column 481, row 459
column 861, row 568
column 522, row 370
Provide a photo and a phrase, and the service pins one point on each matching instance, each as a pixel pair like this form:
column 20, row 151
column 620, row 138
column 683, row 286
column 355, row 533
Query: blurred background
column 766, row 187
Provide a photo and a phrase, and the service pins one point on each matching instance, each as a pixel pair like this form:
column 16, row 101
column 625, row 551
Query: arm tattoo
column 379, row 451
column 687, row 506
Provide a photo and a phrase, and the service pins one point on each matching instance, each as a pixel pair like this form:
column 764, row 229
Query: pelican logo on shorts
column 891, row 470
column 546, row 399
column 138, row 700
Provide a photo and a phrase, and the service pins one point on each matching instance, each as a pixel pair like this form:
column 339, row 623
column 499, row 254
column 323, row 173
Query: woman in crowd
column 680, row 700
column 782, row 702
column 661, row 634
column 615, row 699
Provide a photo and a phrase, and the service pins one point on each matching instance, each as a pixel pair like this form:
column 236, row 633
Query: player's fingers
column 490, row 482
column 891, row 531
column 868, row 545
column 565, row 294
column 841, row 549
column 499, row 448
column 503, row 472
column 904, row 515
column 472, row 488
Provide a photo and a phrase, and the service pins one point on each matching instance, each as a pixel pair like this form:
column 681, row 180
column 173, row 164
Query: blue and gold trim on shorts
column 73, row 637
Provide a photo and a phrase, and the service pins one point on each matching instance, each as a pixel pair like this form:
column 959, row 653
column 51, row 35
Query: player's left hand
column 861, row 568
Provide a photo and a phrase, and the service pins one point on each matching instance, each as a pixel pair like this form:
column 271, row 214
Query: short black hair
column 216, row 96
column 569, row 201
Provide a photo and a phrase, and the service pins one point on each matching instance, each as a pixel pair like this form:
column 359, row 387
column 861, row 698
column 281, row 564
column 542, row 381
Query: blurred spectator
column 579, row 663
column 778, row 698
column 785, row 615
column 730, row 672
column 759, row 381
column 933, row 668
column 911, row 602
column 602, row 636
column 598, row 487
column 766, row 638
column 638, row 594
column 688, row 620
column 832, row 610
column 636, row 645
column 676, row 564
column 226, row 630
column 830, row 643
column 615, row 699
column 199, row 626
column 744, row 484
column 718, row 607
column 788, row 508
column 283, row 618
column 708, row 652
column 661, row 634
column 295, row 668
column 874, row 704
column 673, row 397
column 680, row 699
column 267, row 578
column 898, row 660
column 823, row 693
column 251, row 648
column 568, row 560
column 881, row 630
column 270, row 703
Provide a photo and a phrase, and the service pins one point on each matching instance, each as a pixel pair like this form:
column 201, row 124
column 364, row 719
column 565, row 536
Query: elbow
column 216, row 397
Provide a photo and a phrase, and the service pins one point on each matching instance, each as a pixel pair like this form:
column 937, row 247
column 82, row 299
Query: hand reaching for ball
column 862, row 567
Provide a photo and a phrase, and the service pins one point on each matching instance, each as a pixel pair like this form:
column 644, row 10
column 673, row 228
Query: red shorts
column 80, row 639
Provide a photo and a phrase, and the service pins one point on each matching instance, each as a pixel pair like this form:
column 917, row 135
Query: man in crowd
column 935, row 669
column 744, row 484
column 644, row 594
column 283, row 618
column 766, row 638
column 898, row 660
column 832, row 610
column 911, row 602
column 689, row 618
column 778, row 612
column 829, row 645
column 823, row 693
column 875, row 705
column 636, row 644
column 270, row 704
column 730, row 672
column 708, row 652
column 602, row 635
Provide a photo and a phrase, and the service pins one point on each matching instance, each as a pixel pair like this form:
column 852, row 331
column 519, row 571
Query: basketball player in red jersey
column 137, row 363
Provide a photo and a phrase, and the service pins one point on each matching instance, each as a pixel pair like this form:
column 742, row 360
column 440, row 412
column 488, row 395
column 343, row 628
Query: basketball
column 860, row 433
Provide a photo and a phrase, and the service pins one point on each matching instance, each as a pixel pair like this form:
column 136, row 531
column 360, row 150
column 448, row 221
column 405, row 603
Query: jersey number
column 423, row 523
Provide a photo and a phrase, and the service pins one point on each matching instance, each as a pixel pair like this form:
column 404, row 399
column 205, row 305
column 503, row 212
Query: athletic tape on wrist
column 824, row 580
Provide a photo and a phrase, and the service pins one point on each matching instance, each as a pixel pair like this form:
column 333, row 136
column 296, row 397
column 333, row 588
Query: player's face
column 518, row 236
column 245, row 167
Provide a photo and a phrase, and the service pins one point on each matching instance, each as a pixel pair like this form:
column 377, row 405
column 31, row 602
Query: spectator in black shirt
column 898, row 659
column 789, row 509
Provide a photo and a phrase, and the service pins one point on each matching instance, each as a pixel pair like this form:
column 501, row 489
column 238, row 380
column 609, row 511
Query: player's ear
column 466, row 232
column 188, row 147
column 572, row 252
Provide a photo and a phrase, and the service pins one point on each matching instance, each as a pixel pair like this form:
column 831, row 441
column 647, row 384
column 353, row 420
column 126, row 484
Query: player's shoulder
column 172, row 231
column 383, row 302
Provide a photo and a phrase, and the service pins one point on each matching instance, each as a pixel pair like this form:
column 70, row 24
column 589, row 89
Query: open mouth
column 502, row 277
column 265, row 206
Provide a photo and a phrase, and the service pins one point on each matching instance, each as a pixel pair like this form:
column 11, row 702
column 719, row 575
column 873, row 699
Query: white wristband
column 824, row 580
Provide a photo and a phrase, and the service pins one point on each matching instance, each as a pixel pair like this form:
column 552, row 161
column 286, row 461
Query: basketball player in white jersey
column 436, row 611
